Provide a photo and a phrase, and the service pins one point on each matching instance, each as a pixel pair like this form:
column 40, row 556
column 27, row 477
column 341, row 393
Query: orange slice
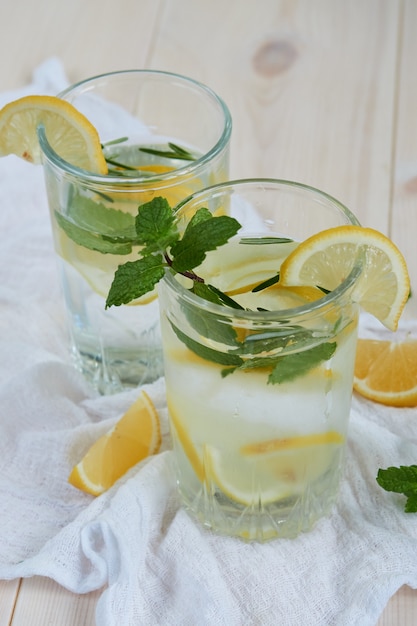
column 328, row 257
column 69, row 133
column 386, row 371
column 136, row 436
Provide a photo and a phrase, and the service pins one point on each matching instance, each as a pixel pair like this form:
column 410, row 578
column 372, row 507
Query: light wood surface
column 321, row 91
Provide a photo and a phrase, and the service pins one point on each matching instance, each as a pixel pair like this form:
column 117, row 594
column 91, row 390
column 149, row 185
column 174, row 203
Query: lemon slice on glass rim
column 327, row 258
column 69, row 133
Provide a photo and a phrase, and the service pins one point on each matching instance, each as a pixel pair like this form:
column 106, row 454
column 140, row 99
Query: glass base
column 116, row 371
column 259, row 522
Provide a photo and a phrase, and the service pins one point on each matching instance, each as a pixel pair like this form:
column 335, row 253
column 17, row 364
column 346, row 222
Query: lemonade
column 257, row 460
column 121, row 346
column 259, row 283
column 155, row 144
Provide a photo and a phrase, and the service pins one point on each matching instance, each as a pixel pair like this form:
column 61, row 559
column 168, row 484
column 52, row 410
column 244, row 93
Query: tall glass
column 259, row 400
column 138, row 114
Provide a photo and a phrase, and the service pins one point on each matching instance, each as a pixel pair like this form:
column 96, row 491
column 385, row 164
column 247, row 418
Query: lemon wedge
column 136, row 436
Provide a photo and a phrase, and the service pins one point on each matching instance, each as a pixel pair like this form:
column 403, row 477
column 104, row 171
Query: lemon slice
column 69, row 133
column 135, row 436
column 386, row 371
column 274, row 469
column 327, row 258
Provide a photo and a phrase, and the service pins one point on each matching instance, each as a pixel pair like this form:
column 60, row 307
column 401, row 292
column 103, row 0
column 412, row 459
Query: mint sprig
column 158, row 234
column 164, row 247
column 402, row 479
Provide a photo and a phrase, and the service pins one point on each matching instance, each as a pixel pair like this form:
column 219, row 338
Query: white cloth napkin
column 155, row 566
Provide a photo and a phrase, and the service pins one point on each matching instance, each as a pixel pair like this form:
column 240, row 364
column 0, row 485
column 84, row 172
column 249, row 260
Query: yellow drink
column 258, row 392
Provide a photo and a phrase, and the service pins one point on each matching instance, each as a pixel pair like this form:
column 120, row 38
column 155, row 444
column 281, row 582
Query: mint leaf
column 402, row 479
column 201, row 236
column 221, row 358
column 97, row 217
column 155, row 226
column 94, row 226
column 272, row 340
column 298, row 364
column 135, row 278
column 224, row 299
column 92, row 241
column 202, row 215
column 212, row 326
column 411, row 504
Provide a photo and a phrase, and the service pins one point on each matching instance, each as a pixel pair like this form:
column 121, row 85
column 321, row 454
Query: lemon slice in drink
column 327, row 258
column 69, row 133
column 135, row 436
column 273, row 469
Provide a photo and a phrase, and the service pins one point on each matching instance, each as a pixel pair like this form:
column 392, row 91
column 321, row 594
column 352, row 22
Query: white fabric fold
column 154, row 565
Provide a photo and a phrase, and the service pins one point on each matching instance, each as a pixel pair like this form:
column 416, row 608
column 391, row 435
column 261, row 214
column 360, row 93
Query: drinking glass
column 259, row 396
column 163, row 135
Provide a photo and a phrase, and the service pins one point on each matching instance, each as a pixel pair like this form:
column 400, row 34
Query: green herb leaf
column 298, row 364
column 91, row 240
column 266, row 283
column 221, row 358
column 155, row 226
column 258, row 241
column 224, row 299
column 277, row 340
column 135, row 278
column 199, row 238
column 174, row 152
column 95, row 216
column 402, row 479
column 212, row 326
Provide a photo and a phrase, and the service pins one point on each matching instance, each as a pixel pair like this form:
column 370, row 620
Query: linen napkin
column 154, row 565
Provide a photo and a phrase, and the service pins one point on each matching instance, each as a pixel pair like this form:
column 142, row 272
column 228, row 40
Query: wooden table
column 321, row 91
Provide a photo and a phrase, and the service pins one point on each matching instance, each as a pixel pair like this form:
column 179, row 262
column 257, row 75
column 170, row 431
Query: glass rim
column 281, row 314
column 107, row 180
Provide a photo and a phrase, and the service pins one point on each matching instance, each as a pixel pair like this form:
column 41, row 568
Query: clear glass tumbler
column 163, row 135
column 259, row 397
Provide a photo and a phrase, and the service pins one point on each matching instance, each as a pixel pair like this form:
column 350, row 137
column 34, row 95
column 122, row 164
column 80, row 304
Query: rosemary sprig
column 175, row 152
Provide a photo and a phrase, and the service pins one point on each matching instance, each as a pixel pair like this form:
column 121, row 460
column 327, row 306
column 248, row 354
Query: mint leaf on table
column 402, row 479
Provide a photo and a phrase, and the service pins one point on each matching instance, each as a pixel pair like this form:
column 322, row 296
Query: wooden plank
column 404, row 206
column 401, row 610
column 8, row 594
column 309, row 84
column 42, row 601
column 89, row 37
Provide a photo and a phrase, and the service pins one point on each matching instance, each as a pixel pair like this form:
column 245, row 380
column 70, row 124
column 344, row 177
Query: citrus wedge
column 386, row 371
column 272, row 469
column 69, row 133
column 327, row 258
column 136, row 436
